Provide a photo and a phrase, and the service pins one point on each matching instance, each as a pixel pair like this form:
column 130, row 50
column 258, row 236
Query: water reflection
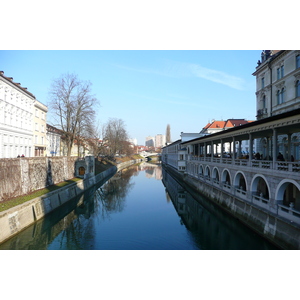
column 134, row 210
column 72, row 226
column 209, row 226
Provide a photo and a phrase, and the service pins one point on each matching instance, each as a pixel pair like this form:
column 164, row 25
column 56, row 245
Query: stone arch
column 288, row 192
column 226, row 178
column 216, row 175
column 260, row 186
column 207, row 172
column 240, row 181
column 201, row 172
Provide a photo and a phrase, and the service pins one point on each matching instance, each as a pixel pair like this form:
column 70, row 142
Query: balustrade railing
column 260, row 199
column 262, row 164
column 289, row 213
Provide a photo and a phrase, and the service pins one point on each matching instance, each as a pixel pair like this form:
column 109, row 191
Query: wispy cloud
column 180, row 70
column 217, row 76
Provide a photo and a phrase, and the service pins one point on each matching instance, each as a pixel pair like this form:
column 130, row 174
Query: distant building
column 150, row 141
column 189, row 136
column 217, row 126
column 160, row 140
column 53, row 141
column 133, row 141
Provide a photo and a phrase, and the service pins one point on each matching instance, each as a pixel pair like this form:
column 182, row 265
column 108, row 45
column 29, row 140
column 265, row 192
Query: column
column 222, row 146
column 289, row 147
column 233, row 150
column 250, row 146
column 268, row 148
column 274, row 147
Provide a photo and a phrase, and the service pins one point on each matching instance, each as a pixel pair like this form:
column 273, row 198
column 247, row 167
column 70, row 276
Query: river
column 140, row 208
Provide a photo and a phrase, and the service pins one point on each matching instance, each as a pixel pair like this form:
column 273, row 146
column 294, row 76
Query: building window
column 264, row 102
column 280, row 96
column 298, row 88
column 297, row 61
column 280, row 72
column 263, row 82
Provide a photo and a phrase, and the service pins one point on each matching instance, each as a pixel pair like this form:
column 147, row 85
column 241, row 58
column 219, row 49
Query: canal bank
column 17, row 218
column 273, row 228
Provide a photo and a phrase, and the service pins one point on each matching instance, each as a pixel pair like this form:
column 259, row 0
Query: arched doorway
column 81, row 171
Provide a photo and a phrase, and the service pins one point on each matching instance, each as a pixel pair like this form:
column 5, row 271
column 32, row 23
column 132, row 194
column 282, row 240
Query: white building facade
column 16, row 118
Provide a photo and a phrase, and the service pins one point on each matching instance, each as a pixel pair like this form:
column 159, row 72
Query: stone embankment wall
column 20, row 176
column 18, row 218
column 283, row 233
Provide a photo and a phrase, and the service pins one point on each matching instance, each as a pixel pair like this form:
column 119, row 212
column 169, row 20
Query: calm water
column 143, row 208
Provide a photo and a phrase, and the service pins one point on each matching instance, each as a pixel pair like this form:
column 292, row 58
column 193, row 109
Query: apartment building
column 22, row 121
column 16, row 119
column 277, row 82
column 40, row 128
column 278, row 91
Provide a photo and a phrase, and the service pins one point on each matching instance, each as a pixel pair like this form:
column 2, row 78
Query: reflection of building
column 16, row 117
column 151, row 170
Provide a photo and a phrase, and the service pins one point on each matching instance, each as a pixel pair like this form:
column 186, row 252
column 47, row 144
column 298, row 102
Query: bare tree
column 114, row 136
column 73, row 107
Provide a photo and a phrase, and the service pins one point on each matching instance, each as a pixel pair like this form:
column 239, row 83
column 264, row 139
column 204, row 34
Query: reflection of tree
column 112, row 195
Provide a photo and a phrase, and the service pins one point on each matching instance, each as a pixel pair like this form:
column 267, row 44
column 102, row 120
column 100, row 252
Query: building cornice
column 9, row 80
column 273, row 58
column 40, row 106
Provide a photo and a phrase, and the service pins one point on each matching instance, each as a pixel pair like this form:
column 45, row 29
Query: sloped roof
column 24, row 89
column 235, row 122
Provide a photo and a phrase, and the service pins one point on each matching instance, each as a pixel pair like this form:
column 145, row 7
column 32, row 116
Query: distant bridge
column 147, row 154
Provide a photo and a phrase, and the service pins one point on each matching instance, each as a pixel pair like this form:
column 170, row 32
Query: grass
column 9, row 203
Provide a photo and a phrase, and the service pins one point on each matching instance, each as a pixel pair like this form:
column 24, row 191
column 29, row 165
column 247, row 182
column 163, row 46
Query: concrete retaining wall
column 19, row 217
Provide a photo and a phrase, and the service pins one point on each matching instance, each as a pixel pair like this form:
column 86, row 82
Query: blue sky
column 148, row 89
